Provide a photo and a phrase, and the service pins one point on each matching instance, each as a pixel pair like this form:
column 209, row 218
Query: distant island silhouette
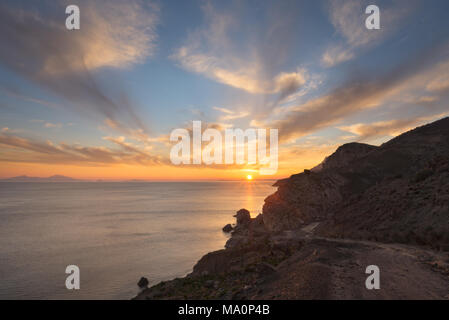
column 54, row 178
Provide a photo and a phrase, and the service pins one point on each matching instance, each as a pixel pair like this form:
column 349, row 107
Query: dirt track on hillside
column 315, row 268
column 335, row 269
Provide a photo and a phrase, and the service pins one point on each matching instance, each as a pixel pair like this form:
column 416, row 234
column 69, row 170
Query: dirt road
column 300, row 265
column 335, row 269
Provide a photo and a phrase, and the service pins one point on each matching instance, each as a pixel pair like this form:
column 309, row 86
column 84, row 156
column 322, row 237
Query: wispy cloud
column 16, row 93
column 212, row 52
column 362, row 93
column 231, row 115
column 114, row 34
column 390, row 128
column 224, row 110
column 53, row 125
column 440, row 82
column 20, row 149
column 348, row 18
column 336, row 55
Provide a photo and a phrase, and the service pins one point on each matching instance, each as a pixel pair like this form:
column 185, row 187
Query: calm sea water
column 114, row 232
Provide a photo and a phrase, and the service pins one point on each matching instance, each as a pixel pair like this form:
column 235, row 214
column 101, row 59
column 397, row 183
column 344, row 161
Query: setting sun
column 249, row 177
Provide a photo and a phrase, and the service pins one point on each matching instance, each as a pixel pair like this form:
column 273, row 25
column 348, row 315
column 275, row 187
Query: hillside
column 398, row 192
column 364, row 205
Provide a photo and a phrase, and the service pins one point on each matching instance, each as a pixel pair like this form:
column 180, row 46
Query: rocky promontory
column 386, row 205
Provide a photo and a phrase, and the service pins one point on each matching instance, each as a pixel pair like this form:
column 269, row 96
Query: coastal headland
column 364, row 205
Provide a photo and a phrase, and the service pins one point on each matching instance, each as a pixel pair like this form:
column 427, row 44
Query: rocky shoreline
column 363, row 205
column 301, row 265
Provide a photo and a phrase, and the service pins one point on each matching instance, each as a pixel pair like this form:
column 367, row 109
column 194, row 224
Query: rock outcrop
column 143, row 283
column 243, row 217
column 228, row 228
column 247, row 230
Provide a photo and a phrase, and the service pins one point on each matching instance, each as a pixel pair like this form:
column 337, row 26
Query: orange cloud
column 388, row 128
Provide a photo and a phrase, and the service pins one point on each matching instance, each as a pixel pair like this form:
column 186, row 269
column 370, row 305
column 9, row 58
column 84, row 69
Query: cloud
column 441, row 83
column 16, row 149
column 19, row 149
column 231, row 115
column 53, row 125
column 113, row 34
column 348, row 18
column 362, row 93
column 336, row 55
column 120, row 141
column 212, row 52
column 427, row 99
column 241, row 76
column 234, row 116
column 419, row 99
column 16, row 93
column 224, row 110
column 288, row 83
column 391, row 128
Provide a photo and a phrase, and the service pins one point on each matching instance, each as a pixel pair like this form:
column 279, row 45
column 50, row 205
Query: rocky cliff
column 387, row 205
column 398, row 192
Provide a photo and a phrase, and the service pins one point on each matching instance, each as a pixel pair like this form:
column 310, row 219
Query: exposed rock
column 398, row 192
column 242, row 217
column 143, row 283
column 266, row 268
column 209, row 283
column 346, row 154
column 301, row 199
column 317, row 269
column 227, row 228
column 257, row 225
column 248, row 230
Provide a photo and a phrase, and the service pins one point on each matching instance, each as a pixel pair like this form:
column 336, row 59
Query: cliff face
column 396, row 192
column 302, row 199
column 311, row 196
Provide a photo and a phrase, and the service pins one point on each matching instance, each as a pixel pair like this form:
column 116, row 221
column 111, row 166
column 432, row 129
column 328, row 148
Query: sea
column 114, row 232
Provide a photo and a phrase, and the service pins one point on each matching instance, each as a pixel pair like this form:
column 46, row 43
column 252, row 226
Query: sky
column 100, row 102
